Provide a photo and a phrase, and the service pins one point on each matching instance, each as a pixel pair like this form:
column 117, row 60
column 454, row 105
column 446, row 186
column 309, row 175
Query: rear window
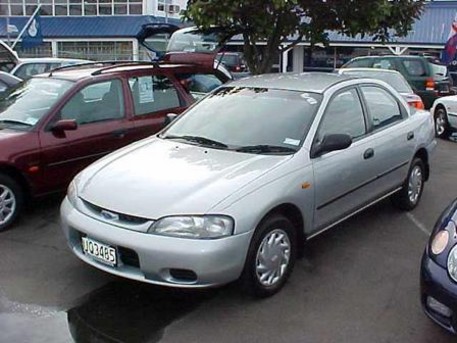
column 438, row 69
column 198, row 85
column 415, row 67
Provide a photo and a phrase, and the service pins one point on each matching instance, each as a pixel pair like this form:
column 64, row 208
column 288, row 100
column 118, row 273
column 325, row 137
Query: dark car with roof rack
column 53, row 125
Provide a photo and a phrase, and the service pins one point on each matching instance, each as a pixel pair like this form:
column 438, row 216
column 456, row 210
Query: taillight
column 418, row 104
column 430, row 84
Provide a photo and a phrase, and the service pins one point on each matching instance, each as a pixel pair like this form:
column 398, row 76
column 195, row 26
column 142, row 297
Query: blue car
column 439, row 271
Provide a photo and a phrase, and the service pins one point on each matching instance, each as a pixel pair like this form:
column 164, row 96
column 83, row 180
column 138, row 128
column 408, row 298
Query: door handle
column 369, row 153
column 410, row 135
column 119, row 133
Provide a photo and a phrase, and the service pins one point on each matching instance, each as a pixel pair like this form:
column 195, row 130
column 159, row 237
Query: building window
column 135, row 8
column 105, row 9
column 17, row 9
column 120, row 9
column 71, row 7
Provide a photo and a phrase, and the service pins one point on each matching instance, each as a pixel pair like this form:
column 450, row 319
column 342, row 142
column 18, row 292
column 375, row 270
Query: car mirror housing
column 170, row 117
column 330, row 143
column 64, row 125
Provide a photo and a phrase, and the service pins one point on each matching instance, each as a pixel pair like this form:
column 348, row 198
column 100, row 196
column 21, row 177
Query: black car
column 439, row 271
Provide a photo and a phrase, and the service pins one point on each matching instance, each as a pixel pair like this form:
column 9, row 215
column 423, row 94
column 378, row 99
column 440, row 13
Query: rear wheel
column 271, row 257
column 442, row 129
column 11, row 201
column 409, row 195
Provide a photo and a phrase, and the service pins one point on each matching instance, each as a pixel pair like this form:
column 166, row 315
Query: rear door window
column 153, row 93
column 383, row 108
column 414, row 67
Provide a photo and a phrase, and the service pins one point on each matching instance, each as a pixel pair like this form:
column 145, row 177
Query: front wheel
column 409, row 196
column 11, row 200
column 441, row 124
column 271, row 257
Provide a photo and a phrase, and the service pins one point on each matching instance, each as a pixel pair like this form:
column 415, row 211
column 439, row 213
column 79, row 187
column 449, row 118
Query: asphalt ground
column 358, row 282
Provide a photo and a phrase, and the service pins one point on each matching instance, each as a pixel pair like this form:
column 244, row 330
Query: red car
column 55, row 124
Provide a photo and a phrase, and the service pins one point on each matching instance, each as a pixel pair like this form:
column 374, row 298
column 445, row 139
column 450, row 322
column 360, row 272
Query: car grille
column 123, row 218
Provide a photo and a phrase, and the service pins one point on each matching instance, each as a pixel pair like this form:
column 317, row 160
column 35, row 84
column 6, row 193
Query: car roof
column 49, row 59
column 314, row 82
column 389, row 56
column 368, row 70
column 78, row 72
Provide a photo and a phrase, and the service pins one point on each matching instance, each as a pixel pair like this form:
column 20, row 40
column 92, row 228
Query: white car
column 234, row 187
column 444, row 111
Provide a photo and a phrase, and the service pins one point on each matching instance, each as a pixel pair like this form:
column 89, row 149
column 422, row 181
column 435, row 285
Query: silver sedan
column 234, row 187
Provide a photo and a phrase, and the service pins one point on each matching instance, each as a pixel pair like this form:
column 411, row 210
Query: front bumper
column 158, row 259
column 436, row 283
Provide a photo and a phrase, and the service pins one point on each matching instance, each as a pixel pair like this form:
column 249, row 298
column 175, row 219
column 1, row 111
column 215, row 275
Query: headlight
column 200, row 227
column 439, row 242
column 72, row 193
column 452, row 263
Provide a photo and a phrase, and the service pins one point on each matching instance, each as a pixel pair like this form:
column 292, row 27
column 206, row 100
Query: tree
column 280, row 24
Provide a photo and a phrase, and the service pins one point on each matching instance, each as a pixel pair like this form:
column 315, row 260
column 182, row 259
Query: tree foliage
column 280, row 24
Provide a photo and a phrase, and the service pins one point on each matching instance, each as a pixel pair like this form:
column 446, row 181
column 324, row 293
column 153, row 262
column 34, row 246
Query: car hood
column 160, row 178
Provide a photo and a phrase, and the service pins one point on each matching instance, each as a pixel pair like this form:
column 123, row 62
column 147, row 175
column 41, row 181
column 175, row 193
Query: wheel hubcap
column 440, row 124
column 7, row 204
column 415, row 184
column 273, row 257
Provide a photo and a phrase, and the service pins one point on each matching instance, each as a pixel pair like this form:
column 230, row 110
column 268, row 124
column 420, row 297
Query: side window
column 382, row 106
column 94, row 103
column 344, row 114
column 198, row 85
column 414, row 67
column 359, row 63
column 153, row 93
column 383, row 64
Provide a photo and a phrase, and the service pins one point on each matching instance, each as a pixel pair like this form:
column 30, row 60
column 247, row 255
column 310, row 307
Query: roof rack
column 125, row 64
column 109, row 64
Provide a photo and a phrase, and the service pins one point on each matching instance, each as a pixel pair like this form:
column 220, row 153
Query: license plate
column 101, row 252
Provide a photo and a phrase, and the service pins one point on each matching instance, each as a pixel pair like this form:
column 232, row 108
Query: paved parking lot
column 358, row 283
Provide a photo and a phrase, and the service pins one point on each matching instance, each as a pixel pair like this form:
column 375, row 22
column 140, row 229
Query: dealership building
column 107, row 29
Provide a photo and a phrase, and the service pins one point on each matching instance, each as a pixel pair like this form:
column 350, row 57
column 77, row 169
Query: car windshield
column 257, row 120
column 395, row 80
column 27, row 103
column 193, row 41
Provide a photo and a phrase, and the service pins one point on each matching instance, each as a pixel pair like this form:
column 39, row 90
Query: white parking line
column 418, row 224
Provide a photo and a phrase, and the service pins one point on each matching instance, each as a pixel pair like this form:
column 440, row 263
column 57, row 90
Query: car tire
column 11, row 201
column 275, row 245
column 410, row 194
column 442, row 129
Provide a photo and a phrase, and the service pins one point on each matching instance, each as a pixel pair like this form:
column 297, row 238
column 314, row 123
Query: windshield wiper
column 264, row 149
column 14, row 121
column 199, row 140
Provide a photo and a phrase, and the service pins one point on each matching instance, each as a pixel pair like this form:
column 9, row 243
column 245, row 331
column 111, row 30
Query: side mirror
column 169, row 118
column 330, row 143
column 64, row 125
